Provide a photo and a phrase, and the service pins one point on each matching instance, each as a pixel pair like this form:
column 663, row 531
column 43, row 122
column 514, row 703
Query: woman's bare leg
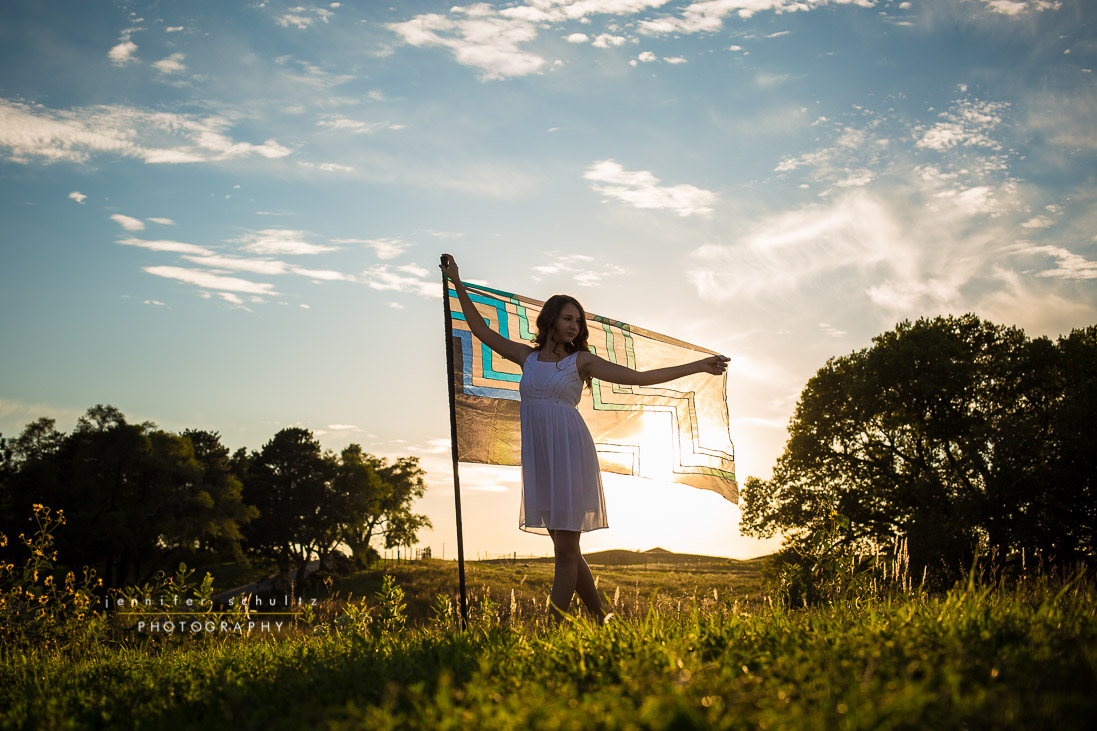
column 565, row 545
column 584, row 587
column 572, row 575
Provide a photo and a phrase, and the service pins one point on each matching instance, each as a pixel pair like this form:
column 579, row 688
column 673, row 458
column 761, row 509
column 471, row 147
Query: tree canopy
column 954, row 433
column 135, row 494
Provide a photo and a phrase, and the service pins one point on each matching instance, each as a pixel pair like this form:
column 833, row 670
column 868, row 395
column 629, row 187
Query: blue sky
column 229, row 215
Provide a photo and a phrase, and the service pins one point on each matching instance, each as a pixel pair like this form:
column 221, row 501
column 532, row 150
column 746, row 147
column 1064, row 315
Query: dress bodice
column 557, row 382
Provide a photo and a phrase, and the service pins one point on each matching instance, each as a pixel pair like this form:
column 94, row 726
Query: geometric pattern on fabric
column 678, row 431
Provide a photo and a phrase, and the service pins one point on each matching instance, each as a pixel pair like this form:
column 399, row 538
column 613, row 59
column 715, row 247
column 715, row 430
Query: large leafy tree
column 377, row 501
column 313, row 503
column 944, row 433
column 216, row 519
column 133, row 494
column 290, row 482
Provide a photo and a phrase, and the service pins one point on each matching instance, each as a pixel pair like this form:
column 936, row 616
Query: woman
column 561, row 485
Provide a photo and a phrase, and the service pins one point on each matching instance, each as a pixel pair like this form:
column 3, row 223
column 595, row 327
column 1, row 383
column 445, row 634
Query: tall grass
column 1020, row 654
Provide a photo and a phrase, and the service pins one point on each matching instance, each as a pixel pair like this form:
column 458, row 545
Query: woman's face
column 567, row 324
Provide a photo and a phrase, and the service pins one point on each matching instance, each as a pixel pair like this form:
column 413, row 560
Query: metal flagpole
column 453, row 443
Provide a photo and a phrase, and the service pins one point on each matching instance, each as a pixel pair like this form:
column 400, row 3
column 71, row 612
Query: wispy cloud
column 275, row 241
column 123, row 53
column 968, row 123
column 173, row 64
column 78, row 197
column 1019, row 7
column 128, row 222
column 386, row 248
column 583, row 268
column 641, row 189
column 324, row 275
column 339, row 122
column 707, row 16
column 480, row 39
column 490, row 38
column 34, row 132
column 1068, row 264
column 405, row 278
column 206, row 280
column 232, row 263
column 175, row 247
column 302, row 17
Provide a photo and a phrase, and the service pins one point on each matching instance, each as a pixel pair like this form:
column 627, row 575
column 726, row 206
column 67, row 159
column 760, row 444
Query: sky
column 228, row 216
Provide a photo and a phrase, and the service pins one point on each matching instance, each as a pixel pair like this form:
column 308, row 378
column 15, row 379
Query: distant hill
column 651, row 557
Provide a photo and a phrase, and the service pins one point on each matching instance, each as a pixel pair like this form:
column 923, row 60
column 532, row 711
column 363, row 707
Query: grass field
column 695, row 645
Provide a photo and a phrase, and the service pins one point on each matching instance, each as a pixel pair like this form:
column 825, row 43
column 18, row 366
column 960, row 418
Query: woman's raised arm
column 509, row 349
column 593, row 366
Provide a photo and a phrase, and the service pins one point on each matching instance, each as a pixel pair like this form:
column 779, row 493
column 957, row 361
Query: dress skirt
column 561, row 484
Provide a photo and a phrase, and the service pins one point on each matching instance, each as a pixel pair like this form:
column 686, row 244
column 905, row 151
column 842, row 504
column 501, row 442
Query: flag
column 675, row 432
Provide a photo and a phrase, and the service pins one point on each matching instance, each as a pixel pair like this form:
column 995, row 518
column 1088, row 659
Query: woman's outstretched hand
column 449, row 268
column 715, row 365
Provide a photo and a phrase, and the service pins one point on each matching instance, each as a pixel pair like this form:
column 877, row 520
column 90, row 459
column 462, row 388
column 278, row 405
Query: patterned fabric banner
column 676, row 431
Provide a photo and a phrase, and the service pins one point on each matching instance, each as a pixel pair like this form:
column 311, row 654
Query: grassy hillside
column 1023, row 656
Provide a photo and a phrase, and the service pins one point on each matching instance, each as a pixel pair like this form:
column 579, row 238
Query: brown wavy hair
column 548, row 316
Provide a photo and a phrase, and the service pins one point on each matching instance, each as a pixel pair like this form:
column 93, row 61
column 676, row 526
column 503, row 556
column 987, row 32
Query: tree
column 1072, row 514
column 133, row 494
column 289, row 481
column 941, row 432
column 377, row 499
column 219, row 520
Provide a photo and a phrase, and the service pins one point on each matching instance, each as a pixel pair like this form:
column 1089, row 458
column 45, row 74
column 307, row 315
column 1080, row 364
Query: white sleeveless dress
column 561, row 486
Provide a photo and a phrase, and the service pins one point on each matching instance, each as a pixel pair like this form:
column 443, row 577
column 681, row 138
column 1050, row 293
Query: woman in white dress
column 561, row 487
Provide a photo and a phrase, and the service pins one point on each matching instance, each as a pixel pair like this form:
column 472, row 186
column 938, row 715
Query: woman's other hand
column 449, row 268
column 716, row 365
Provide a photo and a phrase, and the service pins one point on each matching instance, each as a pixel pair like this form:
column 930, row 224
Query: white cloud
column 584, row 269
column 78, row 197
column 1018, row 7
column 384, row 248
column 490, row 38
column 488, row 43
column 162, row 221
column 256, row 266
column 675, row 60
column 641, row 189
column 123, row 53
column 785, row 251
column 577, row 38
column 173, row 64
column 968, row 123
column 326, row 275
column 176, row 247
column 605, row 40
column 327, row 167
column 207, row 280
column 1068, row 264
column 230, row 297
column 35, row 132
column 708, row 15
column 1038, row 222
column 302, row 17
column 128, row 222
column 352, row 125
column 279, row 241
column 646, row 57
column 407, row 278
